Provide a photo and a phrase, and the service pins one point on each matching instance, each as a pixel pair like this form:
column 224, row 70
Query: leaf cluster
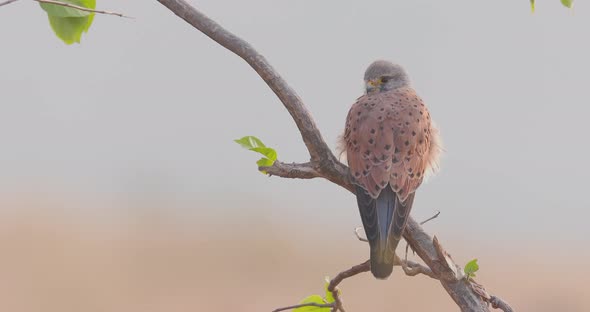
column 254, row 144
column 329, row 298
column 470, row 268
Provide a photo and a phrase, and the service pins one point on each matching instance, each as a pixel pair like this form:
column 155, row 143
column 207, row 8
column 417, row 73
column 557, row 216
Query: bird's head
column 385, row 76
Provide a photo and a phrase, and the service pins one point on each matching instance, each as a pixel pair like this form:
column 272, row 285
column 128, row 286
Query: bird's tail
column 384, row 219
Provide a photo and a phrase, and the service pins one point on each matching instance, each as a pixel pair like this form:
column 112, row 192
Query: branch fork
column 324, row 164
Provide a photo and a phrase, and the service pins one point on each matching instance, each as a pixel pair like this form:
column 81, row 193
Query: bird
column 390, row 144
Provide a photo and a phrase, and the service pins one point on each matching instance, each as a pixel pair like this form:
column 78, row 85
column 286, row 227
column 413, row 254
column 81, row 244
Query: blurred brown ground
column 54, row 259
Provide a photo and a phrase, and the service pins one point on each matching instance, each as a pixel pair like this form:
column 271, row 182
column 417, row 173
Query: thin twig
column 431, row 218
column 81, row 8
column 421, row 223
column 358, row 235
column 412, row 268
column 332, row 287
column 310, row 304
column 362, row 239
column 357, row 269
column 497, row 303
column 7, row 2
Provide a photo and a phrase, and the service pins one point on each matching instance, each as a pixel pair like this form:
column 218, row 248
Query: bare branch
column 355, row 270
column 324, row 163
column 447, row 268
column 69, row 5
column 318, row 149
column 358, row 235
column 422, row 223
column 423, row 245
column 431, row 218
column 498, row 303
column 81, row 8
column 293, row 171
column 412, row 268
column 7, row 2
column 311, row 304
column 362, row 239
column 332, row 287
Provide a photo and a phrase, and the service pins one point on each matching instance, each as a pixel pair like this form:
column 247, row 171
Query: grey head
column 382, row 76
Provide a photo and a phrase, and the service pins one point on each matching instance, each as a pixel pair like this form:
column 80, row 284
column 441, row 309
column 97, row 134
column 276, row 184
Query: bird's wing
column 389, row 140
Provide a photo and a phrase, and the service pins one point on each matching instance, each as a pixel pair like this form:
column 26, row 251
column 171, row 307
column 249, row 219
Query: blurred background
column 121, row 188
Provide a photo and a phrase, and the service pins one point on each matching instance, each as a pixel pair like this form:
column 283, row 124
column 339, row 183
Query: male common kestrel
column 391, row 143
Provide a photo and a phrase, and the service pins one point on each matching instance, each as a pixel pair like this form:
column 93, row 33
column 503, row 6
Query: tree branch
column 324, row 163
column 69, row 5
column 498, row 303
column 355, row 270
column 318, row 149
column 292, row 171
column 332, row 287
column 81, row 8
column 412, row 268
column 312, row 169
column 7, row 2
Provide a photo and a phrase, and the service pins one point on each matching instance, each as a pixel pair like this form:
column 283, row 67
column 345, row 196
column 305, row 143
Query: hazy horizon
column 139, row 120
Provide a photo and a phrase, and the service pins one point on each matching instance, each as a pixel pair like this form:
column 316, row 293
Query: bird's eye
column 384, row 79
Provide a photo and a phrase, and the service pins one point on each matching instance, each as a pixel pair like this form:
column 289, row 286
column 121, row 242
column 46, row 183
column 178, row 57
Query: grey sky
column 150, row 104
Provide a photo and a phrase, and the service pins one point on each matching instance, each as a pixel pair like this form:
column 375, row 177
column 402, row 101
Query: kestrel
column 391, row 143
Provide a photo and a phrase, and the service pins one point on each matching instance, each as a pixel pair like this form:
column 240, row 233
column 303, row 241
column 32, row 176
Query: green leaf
column 254, row 144
column 250, row 142
column 270, row 153
column 70, row 29
column 567, row 3
column 313, row 299
column 264, row 162
column 329, row 295
column 532, row 6
column 69, row 23
column 470, row 268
